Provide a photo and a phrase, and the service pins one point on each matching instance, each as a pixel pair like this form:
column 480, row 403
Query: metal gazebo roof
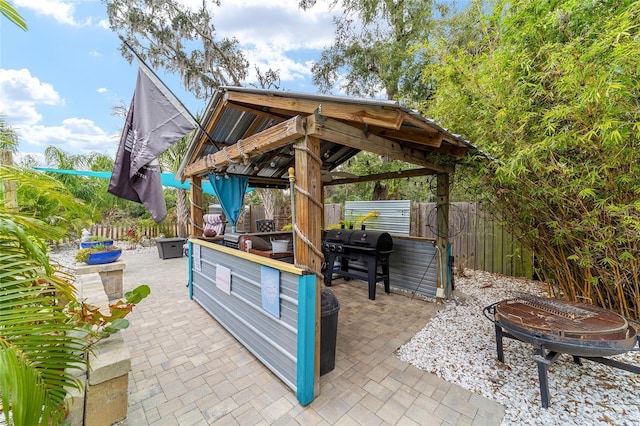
column 269, row 122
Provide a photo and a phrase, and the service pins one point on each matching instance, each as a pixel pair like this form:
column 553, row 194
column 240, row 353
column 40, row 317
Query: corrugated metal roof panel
column 393, row 215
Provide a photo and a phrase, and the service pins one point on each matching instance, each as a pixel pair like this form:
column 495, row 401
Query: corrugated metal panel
column 272, row 340
column 413, row 266
column 394, row 215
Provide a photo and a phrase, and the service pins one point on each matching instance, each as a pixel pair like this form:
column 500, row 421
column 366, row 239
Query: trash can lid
column 328, row 302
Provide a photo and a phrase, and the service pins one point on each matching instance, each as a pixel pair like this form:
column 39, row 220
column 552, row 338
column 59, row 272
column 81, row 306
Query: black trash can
column 329, row 308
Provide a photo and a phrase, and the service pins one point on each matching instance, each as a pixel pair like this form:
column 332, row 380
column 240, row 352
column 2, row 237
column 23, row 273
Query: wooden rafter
column 400, row 174
column 373, row 115
column 344, row 134
column 272, row 138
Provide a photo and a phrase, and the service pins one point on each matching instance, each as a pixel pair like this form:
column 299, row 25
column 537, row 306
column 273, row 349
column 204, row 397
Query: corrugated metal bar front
column 393, row 217
column 413, row 265
column 274, row 341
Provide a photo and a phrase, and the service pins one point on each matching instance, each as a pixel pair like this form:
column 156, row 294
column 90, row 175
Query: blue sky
column 61, row 78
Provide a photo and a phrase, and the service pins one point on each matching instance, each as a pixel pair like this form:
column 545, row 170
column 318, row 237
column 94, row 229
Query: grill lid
column 380, row 241
column 354, row 239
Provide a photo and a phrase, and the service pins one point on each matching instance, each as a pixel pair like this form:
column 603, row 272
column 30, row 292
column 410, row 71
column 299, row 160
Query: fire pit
column 360, row 253
column 556, row 326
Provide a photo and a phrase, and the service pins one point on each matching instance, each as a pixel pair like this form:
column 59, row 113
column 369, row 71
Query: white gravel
column 458, row 345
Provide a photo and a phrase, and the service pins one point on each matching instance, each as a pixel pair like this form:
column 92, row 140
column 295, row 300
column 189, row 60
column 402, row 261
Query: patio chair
column 265, row 225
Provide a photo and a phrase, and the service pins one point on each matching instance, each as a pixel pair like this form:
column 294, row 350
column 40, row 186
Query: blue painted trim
column 190, row 248
column 305, row 375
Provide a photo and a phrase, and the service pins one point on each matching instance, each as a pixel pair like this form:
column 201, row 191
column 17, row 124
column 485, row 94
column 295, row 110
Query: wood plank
column 374, row 115
column 272, row 138
column 210, row 121
column 401, row 174
column 197, row 210
column 344, row 134
column 442, row 226
column 308, row 219
column 433, row 138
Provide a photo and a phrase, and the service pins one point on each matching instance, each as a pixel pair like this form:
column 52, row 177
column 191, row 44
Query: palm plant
column 45, row 332
column 39, row 344
column 171, row 160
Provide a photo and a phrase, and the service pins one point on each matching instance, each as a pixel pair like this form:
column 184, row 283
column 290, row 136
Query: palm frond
column 39, row 345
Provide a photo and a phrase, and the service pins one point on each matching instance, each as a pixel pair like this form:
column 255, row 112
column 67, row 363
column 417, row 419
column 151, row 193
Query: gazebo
column 263, row 138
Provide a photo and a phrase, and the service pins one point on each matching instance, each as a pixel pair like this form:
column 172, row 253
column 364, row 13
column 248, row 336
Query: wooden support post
column 197, row 209
column 442, row 237
column 309, row 221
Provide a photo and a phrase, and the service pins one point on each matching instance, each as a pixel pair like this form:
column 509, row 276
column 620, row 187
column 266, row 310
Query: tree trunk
column 182, row 213
column 380, row 192
column 9, row 188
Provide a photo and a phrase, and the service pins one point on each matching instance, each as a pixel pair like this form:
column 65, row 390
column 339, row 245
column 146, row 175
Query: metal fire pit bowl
column 555, row 326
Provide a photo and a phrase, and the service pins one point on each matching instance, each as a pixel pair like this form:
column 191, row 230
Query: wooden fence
column 478, row 241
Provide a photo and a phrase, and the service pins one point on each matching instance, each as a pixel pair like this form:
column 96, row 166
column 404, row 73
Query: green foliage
column 170, row 35
column 42, row 339
column 84, row 253
column 551, row 90
column 366, row 163
column 99, row 238
column 46, row 199
column 12, row 15
column 355, row 221
column 376, row 48
column 101, row 325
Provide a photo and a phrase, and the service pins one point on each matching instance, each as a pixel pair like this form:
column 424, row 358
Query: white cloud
column 102, row 90
column 20, row 93
column 275, row 34
column 104, row 23
column 279, row 24
column 73, row 135
column 61, row 11
column 95, row 53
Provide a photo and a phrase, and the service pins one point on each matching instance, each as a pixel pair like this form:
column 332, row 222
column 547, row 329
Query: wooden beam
column 419, row 137
column 361, row 113
column 308, row 219
column 197, row 210
column 272, row 138
column 400, row 174
column 210, row 121
column 442, row 236
column 344, row 134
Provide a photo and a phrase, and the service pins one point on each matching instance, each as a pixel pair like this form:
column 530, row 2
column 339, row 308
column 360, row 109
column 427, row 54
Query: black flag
column 155, row 121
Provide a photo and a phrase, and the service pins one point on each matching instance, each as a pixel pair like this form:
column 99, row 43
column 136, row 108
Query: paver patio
column 188, row 370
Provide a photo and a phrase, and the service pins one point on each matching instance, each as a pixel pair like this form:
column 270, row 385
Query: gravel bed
column 458, row 345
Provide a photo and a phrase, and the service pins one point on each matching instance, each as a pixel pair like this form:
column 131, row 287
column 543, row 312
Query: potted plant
column 96, row 240
column 99, row 254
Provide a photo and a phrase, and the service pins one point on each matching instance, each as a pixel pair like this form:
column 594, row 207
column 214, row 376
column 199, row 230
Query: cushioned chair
column 265, row 225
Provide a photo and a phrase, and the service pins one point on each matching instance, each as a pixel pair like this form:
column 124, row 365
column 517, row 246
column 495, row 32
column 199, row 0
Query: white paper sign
column 197, row 262
column 223, row 278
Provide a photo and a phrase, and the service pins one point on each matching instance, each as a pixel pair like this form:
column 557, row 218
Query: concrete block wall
column 110, row 274
column 105, row 395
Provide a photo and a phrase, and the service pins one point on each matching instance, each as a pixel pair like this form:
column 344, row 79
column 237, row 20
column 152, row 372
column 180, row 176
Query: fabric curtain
column 230, row 191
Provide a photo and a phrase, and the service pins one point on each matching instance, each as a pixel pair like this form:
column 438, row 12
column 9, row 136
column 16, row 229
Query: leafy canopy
column 551, row 90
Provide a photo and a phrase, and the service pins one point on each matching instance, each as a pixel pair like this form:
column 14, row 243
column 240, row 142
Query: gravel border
column 458, row 345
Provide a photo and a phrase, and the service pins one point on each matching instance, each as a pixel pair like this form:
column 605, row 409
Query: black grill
column 360, row 254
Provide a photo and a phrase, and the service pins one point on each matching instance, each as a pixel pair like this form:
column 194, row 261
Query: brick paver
column 188, row 370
